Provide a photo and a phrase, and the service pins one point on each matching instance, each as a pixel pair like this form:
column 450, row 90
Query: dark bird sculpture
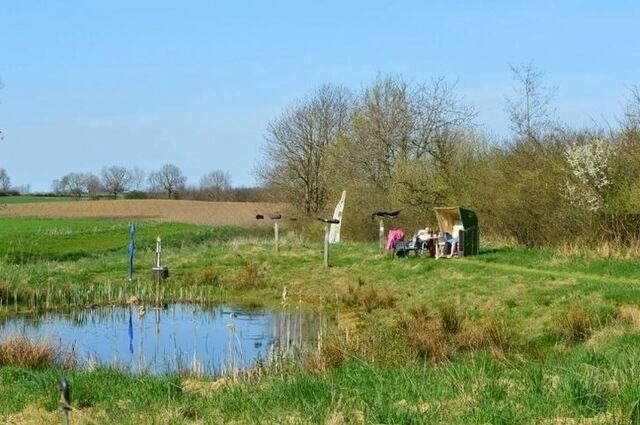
column 386, row 214
column 259, row 216
column 329, row 220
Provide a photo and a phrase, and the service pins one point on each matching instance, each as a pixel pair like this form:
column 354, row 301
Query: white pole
column 158, row 250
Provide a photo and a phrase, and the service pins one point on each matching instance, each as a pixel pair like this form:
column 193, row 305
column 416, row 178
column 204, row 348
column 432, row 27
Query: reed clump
column 367, row 297
column 209, row 276
column 427, row 337
column 24, row 352
column 451, row 317
column 578, row 324
column 436, row 337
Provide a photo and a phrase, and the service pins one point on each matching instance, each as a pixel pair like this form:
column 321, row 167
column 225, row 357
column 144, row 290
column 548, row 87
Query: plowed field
column 196, row 212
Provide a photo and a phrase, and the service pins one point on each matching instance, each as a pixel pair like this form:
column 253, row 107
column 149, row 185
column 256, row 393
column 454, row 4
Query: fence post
column 327, row 226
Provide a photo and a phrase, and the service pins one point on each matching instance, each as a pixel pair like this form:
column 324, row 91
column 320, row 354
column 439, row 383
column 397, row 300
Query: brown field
column 196, row 212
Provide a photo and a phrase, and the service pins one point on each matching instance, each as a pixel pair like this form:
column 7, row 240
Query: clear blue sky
column 143, row 83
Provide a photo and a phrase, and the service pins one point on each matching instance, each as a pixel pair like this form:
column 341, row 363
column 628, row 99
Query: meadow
column 510, row 336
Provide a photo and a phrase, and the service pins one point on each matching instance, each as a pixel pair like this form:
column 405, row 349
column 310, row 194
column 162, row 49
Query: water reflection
column 177, row 338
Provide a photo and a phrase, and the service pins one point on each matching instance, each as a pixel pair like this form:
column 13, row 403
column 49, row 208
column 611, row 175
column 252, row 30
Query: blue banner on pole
column 132, row 250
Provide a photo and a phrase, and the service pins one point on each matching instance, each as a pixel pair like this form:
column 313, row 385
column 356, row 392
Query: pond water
column 177, row 338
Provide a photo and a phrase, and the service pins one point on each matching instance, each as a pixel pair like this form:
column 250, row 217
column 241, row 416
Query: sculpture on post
column 160, row 272
column 383, row 215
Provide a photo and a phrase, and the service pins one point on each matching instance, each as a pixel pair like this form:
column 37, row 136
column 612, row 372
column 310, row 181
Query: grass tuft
column 23, row 352
column 576, row 325
column 451, row 317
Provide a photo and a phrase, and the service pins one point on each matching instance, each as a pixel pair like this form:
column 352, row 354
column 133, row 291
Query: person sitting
column 453, row 239
column 428, row 240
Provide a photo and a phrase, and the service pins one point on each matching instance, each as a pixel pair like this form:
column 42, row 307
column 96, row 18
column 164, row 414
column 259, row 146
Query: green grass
column 510, row 336
column 30, row 199
column 24, row 240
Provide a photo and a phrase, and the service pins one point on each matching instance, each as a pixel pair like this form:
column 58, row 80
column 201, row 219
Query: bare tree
column 93, row 185
column 5, row 181
column 528, row 111
column 632, row 111
column 137, row 178
column 72, row 184
column 297, row 146
column 381, row 130
column 169, row 179
column 77, row 184
column 116, row 179
column 216, row 184
column 439, row 117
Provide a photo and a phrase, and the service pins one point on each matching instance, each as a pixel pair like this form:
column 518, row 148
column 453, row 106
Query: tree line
column 418, row 146
column 167, row 182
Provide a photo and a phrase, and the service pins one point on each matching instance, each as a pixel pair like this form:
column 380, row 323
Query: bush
column 136, row 194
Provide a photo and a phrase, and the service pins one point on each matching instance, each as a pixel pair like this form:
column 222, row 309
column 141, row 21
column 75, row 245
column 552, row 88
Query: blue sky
column 142, row 83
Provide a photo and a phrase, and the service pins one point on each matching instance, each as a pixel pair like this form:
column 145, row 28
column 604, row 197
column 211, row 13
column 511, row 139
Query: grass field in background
column 30, row 199
column 510, row 336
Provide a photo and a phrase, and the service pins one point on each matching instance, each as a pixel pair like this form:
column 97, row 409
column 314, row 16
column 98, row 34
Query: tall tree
column 116, row 179
column 169, row 179
column 297, row 147
column 405, row 142
column 529, row 113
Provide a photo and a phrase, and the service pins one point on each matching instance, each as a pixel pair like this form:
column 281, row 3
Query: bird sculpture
column 386, row 214
column 329, row 220
column 259, row 217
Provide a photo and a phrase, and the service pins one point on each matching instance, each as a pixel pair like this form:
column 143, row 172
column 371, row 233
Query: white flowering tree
column 589, row 174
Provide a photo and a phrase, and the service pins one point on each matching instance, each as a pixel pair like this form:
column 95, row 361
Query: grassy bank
column 509, row 336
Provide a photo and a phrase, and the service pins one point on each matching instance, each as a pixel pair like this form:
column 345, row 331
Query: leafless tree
column 72, row 184
column 116, row 179
column 76, row 184
column 632, row 111
column 297, row 146
column 216, row 184
column 137, row 178
column 439, row 116
column 5, row 181
column 93, row 185
column 169, row 179
column 381, row 130
column 529, row 113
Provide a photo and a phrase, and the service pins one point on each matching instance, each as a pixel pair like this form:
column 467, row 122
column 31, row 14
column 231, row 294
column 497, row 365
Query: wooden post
column 381, row 236
column 326, row 244
column 275, row 231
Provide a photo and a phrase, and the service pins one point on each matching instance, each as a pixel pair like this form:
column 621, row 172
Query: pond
column 179, row 338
